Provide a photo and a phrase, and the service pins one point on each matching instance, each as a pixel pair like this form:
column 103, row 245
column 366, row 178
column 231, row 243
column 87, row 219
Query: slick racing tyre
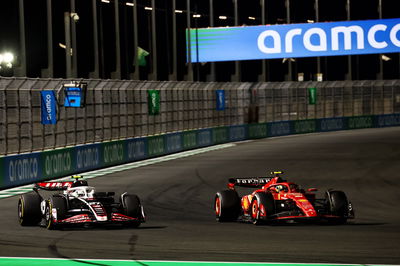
column 227, row 206
column 262, row 206
column 29, row 209
column 337, row 205
column 60, row 205
column 132, row 208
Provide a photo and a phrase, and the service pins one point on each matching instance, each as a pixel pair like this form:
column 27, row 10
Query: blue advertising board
column 21, row 169
column 220, row 96
column 295, row 40
column 48, row 107
column 73, row 97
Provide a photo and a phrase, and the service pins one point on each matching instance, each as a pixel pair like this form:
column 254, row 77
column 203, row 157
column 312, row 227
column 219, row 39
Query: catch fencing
column 117, row 110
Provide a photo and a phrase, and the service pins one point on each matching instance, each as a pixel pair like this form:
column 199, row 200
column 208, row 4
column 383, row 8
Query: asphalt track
column 178, row 198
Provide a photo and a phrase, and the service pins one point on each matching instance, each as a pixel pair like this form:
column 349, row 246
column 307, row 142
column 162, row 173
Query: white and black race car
column 78, row 204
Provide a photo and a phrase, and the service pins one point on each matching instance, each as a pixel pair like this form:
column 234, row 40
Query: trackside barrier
column 23, row 169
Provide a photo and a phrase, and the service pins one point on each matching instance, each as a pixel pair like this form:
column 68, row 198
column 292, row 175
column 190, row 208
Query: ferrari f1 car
column 275, row 199
column 77, row 203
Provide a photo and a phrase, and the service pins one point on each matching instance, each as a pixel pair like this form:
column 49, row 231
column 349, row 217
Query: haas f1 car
column 275, row 199
column 77, row 203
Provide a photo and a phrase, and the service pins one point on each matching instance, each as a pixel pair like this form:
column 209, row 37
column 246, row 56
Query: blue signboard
column 220, row 95
column 21, row 169
column 73, row 97
column 48, row 107
column 295, row 40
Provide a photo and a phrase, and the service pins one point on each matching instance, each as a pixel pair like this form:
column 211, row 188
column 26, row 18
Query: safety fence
column 116, row 110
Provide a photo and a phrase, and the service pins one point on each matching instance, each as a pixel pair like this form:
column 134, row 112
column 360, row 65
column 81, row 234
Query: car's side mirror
column 312, row 189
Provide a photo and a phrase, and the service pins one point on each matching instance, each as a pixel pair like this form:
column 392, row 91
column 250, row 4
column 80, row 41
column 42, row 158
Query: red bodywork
column 292, row 203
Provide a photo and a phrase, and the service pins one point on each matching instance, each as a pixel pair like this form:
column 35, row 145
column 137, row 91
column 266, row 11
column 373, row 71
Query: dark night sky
column 334, row 68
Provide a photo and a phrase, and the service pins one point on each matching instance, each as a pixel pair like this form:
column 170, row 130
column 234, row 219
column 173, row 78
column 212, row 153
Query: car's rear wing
column 252, row 182
column 53, row 185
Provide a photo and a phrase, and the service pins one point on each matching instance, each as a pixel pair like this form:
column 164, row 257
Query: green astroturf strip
column 80, row 262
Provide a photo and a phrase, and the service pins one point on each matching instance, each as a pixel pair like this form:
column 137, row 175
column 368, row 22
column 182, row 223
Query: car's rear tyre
column 338, row 206
column 132, row 208
column 60, row 205
column 29, row 209
column 262, row 206
column 227, row 206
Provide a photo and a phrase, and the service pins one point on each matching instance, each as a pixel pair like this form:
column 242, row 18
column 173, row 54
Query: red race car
column 276, row 199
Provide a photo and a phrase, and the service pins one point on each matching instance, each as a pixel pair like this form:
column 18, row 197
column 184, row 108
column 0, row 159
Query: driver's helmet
column 279, row 188
column 81, row 192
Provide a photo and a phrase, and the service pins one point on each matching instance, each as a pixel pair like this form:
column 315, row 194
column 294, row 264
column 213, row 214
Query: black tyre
column 227, row 206
column 132, row 208
column 60, row 205
column 338, row 205
column 262, row 206
column 29, row 209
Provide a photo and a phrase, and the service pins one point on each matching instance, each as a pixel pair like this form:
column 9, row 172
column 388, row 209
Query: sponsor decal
column 136, row 149
column 360, row 122
column 220, row 134
column 156, row 145
column 57, row 163
column 20, row 169
column 331, row 124
column 204, row 137
column 388, row 120
column 174, row 142
column 279, row 129
column 220, row 97
column 88, row 157
column 113, row 152
column 237, row 133
column 48, row 107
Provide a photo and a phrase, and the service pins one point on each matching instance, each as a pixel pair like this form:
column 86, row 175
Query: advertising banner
column 312, row 95
column 88, row 157
column 21, row 169
column 220, row 135
column 237, row 133
column 189, row 139
column 220, row 96
column 2, row 174
column 257, row 131
column 174, row 142
column 279, row 128
column 304, row 126
column 330, row 124
column 136, row 149
column 156, row 146
column 204, row 137
column 113, row 152
column 295, row 40
column 154, row 102
column 387, row 120
column 360, row 122
column 48, row 107
column 57, row 163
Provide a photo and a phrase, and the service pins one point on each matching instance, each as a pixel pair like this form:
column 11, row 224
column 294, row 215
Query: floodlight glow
column 129, row 4
column 178, row 11
column 8, row 57
column 197, row 16
column 222, row 17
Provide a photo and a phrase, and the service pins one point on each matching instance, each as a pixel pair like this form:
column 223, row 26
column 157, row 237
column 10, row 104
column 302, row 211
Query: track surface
column 178, row 198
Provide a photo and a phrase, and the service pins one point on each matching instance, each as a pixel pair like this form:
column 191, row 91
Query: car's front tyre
column 227, row 206
column 29, row 212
